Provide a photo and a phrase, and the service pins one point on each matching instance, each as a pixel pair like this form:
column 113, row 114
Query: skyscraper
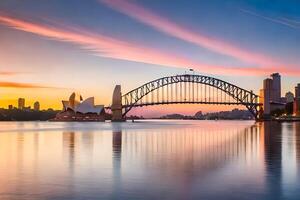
column 266, row 95
column 297, row 101
column 36, row 106
column 270, row 95
column 297, row 91
column 276, row 87
column 21, row 103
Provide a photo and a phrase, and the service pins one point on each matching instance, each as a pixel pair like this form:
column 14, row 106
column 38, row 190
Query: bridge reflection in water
column 149, row 160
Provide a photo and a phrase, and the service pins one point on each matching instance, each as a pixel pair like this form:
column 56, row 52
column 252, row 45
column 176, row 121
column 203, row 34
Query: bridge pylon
column 116, row 106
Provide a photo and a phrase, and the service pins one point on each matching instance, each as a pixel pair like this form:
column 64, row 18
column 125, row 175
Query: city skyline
column 48, row 52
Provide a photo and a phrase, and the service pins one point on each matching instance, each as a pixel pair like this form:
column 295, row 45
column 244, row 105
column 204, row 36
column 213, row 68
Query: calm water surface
column 150, row 160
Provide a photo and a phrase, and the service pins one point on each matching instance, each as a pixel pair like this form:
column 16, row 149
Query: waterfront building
column 276, row 87
column 21, row 103
column 297, row 91
column 77, row 109
column 28, row 108
column 297, row 108
column 289, row 97
column 36, row 106
column 266, row 95
column 297, row 101
column 283, row 100
column 270, row 95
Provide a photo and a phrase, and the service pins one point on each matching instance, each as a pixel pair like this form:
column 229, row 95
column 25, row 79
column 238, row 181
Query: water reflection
column 150, row 160
column 273, row 146
column 69, row 148
column 117, row 155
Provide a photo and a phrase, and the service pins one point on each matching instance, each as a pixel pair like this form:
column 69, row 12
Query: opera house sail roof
column 77, row 109
column 78, row 105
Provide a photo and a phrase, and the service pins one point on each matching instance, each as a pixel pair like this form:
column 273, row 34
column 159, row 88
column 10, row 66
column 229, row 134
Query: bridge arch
column 165, row 91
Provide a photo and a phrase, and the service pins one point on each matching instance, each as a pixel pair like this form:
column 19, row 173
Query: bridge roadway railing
column 185, row 102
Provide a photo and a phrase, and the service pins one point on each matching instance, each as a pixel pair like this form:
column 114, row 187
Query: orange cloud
column 8, row 73
column 113, row 48
column 168, row 27
column 22, row 85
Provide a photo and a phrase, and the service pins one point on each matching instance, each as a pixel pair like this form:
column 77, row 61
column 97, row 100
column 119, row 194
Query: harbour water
column 150, row 160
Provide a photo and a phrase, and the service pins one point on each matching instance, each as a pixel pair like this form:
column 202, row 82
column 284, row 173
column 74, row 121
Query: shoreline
column 130, row 120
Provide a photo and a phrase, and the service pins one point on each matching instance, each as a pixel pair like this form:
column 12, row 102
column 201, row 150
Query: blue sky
column 263, row 30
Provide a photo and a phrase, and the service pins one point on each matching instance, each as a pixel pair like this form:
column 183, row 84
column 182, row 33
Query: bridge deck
column 187, row 102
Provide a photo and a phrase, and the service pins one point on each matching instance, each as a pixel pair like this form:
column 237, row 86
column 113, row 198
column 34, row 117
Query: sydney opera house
column 77, row 109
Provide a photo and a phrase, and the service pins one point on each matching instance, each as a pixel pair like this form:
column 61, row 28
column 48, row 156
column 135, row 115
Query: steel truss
column 189, row 89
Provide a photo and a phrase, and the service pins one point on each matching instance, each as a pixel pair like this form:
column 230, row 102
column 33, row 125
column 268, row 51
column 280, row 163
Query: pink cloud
column 169, row 27
column 110, row 47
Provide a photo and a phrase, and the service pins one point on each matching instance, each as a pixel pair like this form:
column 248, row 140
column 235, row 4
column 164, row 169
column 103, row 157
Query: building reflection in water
column 87, row 140
column 198, row 160
column 117, row 160
column 83, row 142
column 296, row 131
column 187, row 155
column 117, row 144
column 272, row 132
column 69, row 149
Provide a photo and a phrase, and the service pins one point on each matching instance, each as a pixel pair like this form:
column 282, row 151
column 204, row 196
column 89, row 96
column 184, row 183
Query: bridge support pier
column 116, row 106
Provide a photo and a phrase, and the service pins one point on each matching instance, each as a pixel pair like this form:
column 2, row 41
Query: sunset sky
column 52, row 48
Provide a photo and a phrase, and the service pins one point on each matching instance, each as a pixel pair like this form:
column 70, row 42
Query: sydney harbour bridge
column 183, row 89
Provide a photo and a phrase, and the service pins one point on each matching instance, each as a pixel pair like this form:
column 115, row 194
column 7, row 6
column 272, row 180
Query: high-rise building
column 270, row 95
column 297, row 91
column 21, row 103
column 276, row 87
column 297, row 101
column 289, row 97
column 10, row 107
column 36, row 106
column 266, row 95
